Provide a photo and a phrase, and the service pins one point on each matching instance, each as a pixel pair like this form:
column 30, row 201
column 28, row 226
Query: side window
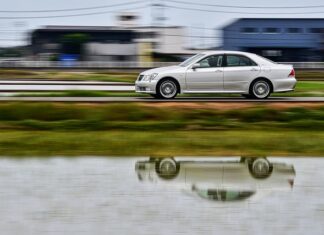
column 235, row 60
column 211, row 61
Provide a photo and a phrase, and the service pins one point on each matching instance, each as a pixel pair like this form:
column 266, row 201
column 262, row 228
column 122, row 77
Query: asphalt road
column 148, row 99
column 10, row 87
column 57, row 85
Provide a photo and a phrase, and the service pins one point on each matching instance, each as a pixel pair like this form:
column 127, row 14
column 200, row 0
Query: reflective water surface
column 92, row 195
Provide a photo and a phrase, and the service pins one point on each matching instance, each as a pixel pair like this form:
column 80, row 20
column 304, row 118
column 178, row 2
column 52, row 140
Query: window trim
column 257, row 30
column 225, row 61
column 313, row 29
column 299, row 30
column 264, row 30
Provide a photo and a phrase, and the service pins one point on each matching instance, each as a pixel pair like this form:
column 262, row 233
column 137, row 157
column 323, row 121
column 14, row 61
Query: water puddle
column 176, row 195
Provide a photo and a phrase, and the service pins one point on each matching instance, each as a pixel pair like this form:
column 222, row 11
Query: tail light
column 292, row 73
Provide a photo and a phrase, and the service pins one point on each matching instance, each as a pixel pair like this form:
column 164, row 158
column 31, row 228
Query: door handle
column 254, row 69
column 218, row 71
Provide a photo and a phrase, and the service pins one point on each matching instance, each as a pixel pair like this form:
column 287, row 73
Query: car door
column 239, row 71
column 208, row 76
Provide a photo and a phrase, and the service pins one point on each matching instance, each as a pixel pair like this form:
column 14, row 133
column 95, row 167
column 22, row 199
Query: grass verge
column 53, row 129
column 139, row 117
column 162, row 143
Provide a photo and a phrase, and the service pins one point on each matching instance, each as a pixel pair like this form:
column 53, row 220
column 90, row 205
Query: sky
column 14, row 27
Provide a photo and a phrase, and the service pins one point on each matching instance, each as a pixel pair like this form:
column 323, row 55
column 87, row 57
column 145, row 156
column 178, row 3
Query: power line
column 242, row 12
column 74, row 9
column 248, row 7
column 71, row 15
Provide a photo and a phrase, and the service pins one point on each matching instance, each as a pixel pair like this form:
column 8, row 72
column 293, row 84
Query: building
column 125, row 42
column 67, row 40
column 279, row 39
column 167, row 42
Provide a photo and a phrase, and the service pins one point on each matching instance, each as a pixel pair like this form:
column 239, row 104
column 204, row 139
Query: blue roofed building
column 279, row 39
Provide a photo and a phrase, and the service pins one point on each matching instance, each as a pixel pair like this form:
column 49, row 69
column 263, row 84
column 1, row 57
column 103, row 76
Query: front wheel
column 167, row 89
column 167, row 168
column 260, row 89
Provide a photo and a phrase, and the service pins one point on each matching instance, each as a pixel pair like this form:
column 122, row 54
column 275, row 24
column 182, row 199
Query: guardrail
column 119, row 65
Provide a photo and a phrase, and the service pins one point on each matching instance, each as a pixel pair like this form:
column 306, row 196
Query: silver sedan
column 219, row 72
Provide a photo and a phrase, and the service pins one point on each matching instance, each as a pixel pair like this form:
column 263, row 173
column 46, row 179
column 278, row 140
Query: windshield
column 191, row 59
column 224, row 195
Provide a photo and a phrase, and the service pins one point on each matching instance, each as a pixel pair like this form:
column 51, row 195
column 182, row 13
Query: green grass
column 54, row 129
column 306, row 89
column 132, row 116
column 161, row 143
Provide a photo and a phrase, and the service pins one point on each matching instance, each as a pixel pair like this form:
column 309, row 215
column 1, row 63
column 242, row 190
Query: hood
column 160, row 70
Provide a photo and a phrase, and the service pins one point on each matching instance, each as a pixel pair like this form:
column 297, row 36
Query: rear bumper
column 284, row 85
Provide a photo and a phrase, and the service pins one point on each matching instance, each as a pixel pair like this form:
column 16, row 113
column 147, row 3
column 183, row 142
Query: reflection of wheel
column 260, row 168
column 260, row 89
column 167, row 168
column 167, row 89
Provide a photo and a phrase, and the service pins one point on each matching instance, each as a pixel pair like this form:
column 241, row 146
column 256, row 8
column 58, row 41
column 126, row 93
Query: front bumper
column 145, row 87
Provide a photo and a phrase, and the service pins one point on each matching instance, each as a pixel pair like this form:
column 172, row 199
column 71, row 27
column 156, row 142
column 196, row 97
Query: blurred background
column 141, row 33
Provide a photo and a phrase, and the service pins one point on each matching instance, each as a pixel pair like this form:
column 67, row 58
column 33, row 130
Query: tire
column 167, row 168
column 260, row 168
column 167, row 89
column 260, row 89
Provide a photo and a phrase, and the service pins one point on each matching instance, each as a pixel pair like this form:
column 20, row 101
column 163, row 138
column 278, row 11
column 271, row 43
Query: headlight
column 146, row 78
column 153, row 76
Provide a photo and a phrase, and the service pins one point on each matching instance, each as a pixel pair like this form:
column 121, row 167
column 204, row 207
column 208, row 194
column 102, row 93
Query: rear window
column 238, row 60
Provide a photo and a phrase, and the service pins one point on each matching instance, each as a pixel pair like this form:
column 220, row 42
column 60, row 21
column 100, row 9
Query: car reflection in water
column 226, row 180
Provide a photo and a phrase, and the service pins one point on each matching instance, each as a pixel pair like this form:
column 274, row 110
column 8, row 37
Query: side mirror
column 195, row 66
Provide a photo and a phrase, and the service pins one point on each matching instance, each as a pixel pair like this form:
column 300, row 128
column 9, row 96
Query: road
column 148, row 99
column 57, row 85
column 9, row 88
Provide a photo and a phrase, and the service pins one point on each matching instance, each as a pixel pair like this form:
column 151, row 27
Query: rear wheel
column 260, row 89
column 167, row 89
column 260, row 168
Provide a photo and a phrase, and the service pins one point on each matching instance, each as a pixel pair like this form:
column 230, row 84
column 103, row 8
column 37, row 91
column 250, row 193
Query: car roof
column 226, row 52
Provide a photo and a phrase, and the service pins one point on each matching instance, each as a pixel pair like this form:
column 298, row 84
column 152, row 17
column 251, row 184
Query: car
column 226, row 180
column 243, row 73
